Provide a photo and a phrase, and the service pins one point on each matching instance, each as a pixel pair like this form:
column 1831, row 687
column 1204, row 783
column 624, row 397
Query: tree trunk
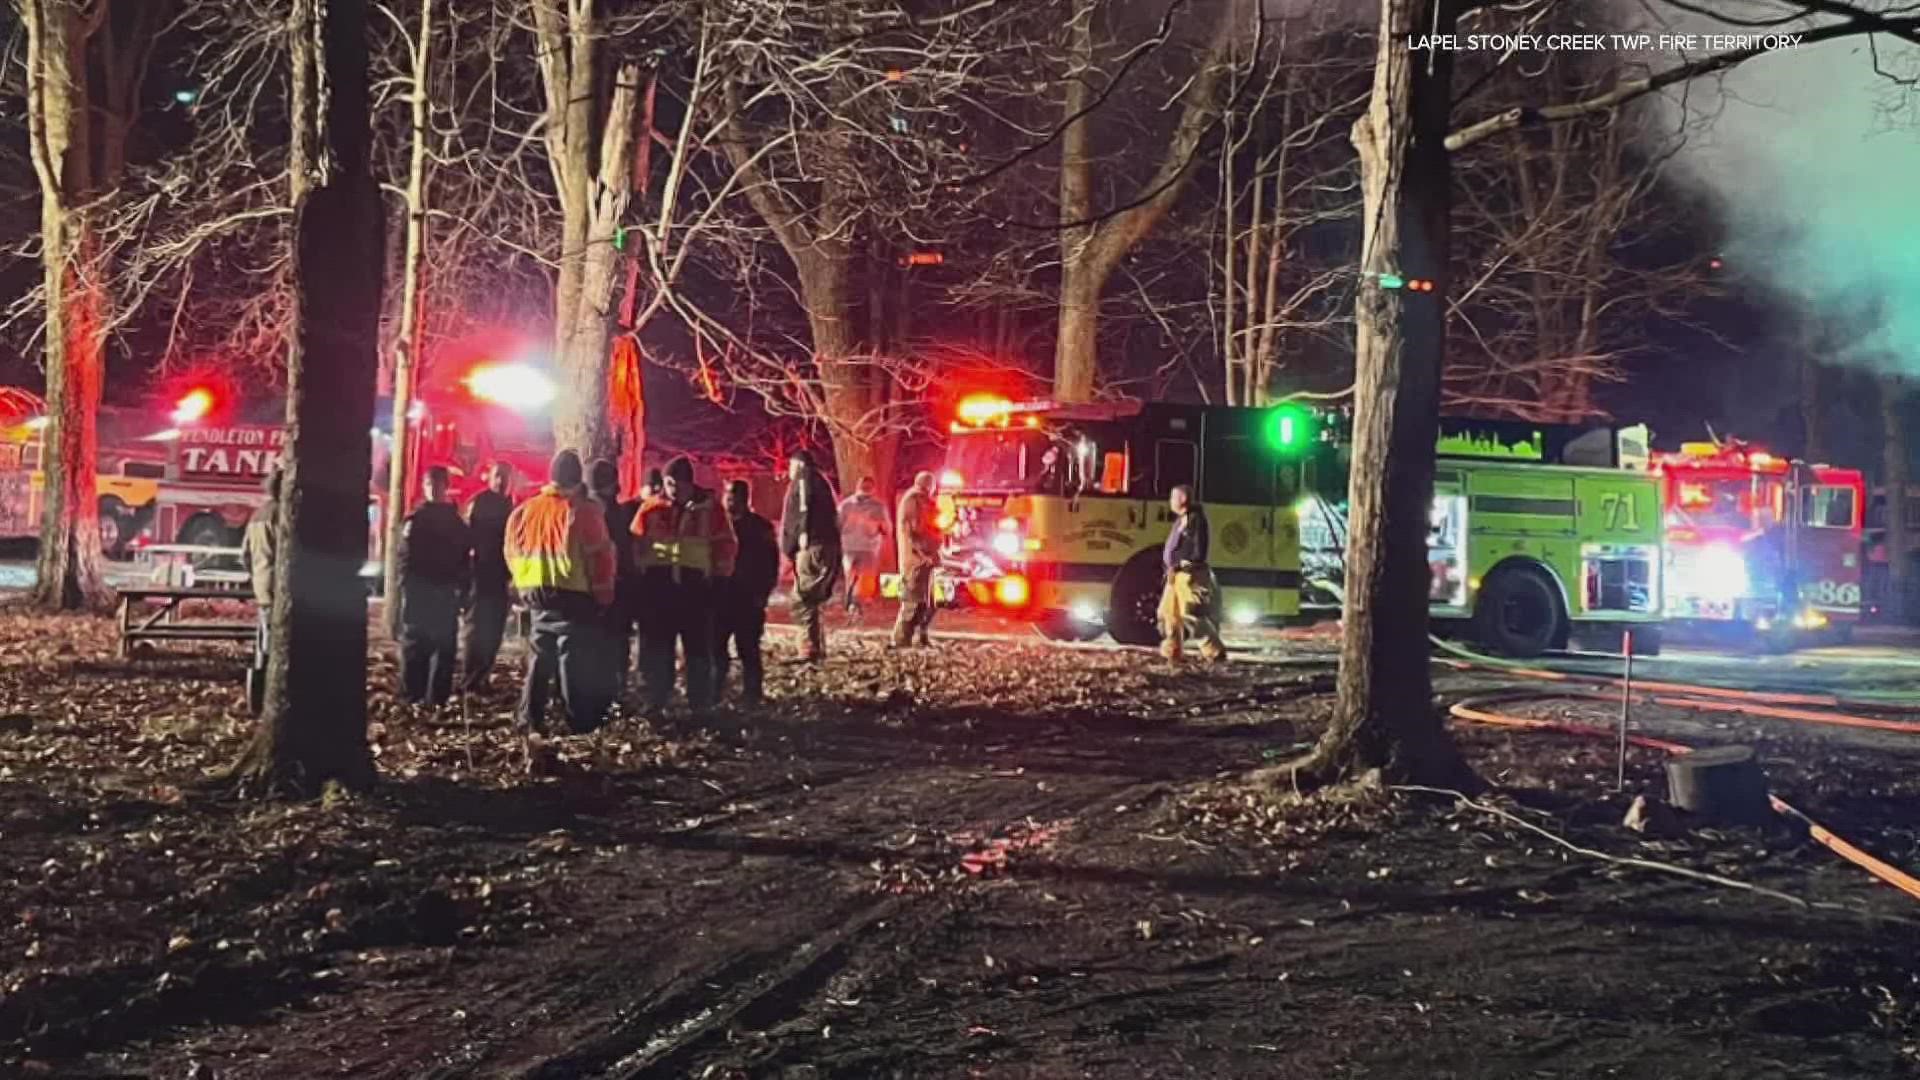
column 1090, row 250
column 61, row 122
column 412, row 321
column 1893, row 395
column 315, row 725
column 590, row 150
column 1385, row 717
column 1812, row 409
column 853, row 391
column 69, row 573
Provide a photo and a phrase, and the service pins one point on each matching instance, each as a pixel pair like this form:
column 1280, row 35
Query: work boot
column 1213, row 652
column 1171, row 650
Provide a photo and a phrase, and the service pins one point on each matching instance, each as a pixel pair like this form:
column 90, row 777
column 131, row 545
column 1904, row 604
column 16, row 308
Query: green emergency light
column 1289, row 429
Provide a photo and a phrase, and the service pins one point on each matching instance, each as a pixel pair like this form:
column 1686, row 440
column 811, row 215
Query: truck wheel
column 1133, row 610
column 1518, row 613
column 206, row 530
column 116, row 527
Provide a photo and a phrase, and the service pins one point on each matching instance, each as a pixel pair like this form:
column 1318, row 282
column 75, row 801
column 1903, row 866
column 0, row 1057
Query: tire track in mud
column 829, row 826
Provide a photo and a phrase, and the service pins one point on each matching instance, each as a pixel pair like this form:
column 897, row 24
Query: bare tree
column 86, row 63
column 845, row 119
column 412, row 315
column 592, row 100
column 1557, row 252
column 1093, row 240
column 1277, row 181
column 314, row 730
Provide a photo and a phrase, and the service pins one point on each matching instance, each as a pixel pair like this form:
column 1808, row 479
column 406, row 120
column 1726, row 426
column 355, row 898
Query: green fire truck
column 1538, row 535
column 1057, row 513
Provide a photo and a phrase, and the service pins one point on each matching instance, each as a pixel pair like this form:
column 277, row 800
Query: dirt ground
column 997, row 860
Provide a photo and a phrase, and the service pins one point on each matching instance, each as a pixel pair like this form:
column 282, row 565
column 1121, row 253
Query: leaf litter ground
column 994, row 859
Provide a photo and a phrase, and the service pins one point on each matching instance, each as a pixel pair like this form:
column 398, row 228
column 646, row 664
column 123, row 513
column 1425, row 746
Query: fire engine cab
column 1760, row 543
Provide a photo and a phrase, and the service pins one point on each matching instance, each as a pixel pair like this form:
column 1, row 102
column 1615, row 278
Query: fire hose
column 1779, row 706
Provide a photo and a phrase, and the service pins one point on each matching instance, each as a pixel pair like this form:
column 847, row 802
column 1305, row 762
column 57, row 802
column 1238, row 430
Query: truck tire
column 206, row 530
column 116, row 527
column 1518, row 613
column 1133, row 606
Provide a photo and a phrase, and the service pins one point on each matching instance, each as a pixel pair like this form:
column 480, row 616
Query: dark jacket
column 810, row 510
column 487, row 519
column 436, row 548
column 620, row 527
column 1189, row 540
column 756, row 569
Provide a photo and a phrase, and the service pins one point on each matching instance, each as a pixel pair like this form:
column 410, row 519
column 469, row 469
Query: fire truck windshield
column 1727, row 502
column 1012, row 460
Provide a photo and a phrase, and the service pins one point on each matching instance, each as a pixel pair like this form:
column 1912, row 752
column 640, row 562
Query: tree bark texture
column 589, row 133
column 406, row 357
column 84, row 72
column 1385, row 718
column 1090, row 250
column 314, row 729
column 854, row 390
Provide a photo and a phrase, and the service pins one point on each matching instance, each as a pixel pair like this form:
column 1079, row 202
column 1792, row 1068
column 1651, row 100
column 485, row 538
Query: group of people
column 675, row 569
column 681, row 571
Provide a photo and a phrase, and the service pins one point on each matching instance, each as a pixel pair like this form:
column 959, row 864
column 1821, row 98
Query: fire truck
column 1058, row 512
column 1759, row 544
column 130, row 470
column 1539, row 534
column 195, row 475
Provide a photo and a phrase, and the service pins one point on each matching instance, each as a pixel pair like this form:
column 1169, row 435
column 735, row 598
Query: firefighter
column 436, row 554
column 863, row 533
column 683, row 542
column 487, row 611
column 259, row 550
column 1186, row 604
column 741, row 607
column 918, row 534
column 603, row 479
column 810, row 538
column 562, row 564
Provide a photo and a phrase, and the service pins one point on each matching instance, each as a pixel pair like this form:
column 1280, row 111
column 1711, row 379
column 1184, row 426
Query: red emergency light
column 194, row 406
column 979, row 410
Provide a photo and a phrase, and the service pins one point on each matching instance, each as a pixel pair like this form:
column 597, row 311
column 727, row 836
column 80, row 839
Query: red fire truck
column 195, row 475
column 1761, row 544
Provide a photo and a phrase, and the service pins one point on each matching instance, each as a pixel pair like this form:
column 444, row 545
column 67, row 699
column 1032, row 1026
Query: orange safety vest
column 696, row 535
column 558, row 541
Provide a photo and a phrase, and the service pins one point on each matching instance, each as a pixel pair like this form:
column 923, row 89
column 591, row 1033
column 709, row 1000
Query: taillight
column 1012, row 591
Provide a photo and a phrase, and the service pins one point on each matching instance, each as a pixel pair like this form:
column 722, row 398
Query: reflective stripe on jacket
column 694, row 535
column 558, row 541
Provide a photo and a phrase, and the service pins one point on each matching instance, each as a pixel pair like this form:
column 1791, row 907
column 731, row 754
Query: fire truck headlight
column 1007, row 544
column 1086, row 612
column 1012, row 591
column 1245, row 616
column 1722, row 573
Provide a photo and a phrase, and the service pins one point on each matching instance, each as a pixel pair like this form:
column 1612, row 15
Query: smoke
column 1813, row 158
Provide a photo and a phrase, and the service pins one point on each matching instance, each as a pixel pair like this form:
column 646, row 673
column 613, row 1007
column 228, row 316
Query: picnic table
column 153, row 613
